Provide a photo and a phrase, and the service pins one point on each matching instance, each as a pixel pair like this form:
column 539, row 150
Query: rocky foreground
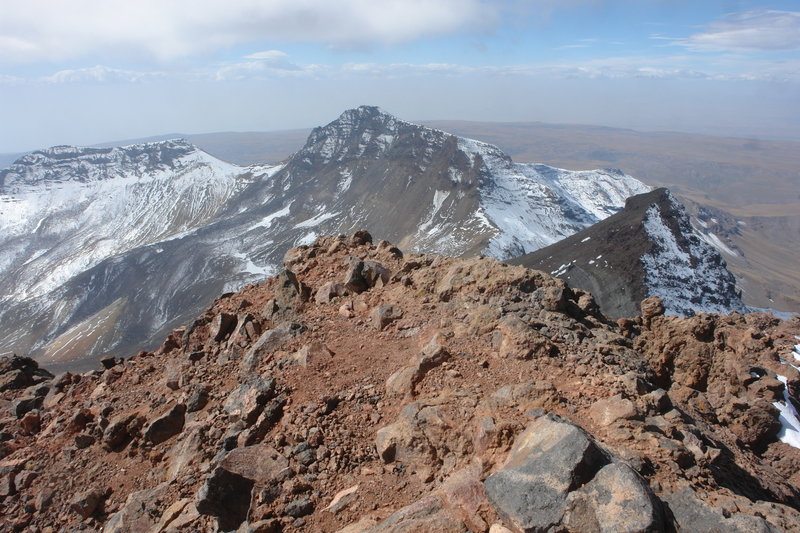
column 366, row 391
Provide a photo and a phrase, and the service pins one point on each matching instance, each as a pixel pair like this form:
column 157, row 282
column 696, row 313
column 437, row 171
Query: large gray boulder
column 614, row 500
column 556, row 477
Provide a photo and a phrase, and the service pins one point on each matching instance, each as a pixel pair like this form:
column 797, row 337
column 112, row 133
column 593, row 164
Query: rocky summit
column 367, row 390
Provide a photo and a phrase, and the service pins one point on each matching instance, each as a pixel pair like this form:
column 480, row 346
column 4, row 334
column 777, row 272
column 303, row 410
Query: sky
column 89, row 71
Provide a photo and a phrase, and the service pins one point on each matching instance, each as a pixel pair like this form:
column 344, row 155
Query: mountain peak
column 358, row 132
column 366, row 111
column 364, row 117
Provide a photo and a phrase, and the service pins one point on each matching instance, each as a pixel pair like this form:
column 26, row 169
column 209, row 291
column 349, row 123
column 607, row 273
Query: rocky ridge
column 650, row 248
column 364, row 390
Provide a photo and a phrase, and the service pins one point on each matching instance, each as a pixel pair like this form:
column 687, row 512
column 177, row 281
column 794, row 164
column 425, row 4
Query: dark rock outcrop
column 557, row 477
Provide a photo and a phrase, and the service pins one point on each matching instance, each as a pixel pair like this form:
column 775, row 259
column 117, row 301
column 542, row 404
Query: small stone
column 31, row 423
column 658, row 400
column 83, row 440
column 346, row 310
column 306, row 457
column 363, row 275
column 270, row 525
column 167, row 425
column 222, row 325
column 608, row 410
column 24, row 479
column 360, row 238
column 197, row 399
column 329, row 291
column 312, row 353
column 384, row 315
column 43, row 499
column 7, row 485
column 110, row 361
column 342, row 499
column 225, row 495
column 173, row 379
column 651, row 307
column 299, row 507
column 26, row 404
column 85, row 503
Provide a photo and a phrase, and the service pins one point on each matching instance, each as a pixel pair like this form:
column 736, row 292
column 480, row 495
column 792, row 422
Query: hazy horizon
column 95, row 72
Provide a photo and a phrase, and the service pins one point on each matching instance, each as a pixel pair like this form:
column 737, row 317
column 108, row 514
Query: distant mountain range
column 107, row 249
column 741, row 194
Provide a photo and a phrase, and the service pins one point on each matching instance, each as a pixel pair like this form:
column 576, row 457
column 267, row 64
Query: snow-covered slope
column 681, row 268
column 107, row 249
column 533, row 206
column 65, row 209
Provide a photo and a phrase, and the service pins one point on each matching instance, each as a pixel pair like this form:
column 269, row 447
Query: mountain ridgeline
column 647, row 249
column 107, row 250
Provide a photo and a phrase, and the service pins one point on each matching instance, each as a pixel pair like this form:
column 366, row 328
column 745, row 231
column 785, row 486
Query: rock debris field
column 364, row 390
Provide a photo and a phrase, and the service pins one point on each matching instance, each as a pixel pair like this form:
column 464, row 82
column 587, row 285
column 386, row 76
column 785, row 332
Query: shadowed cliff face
column 106, row 250
column 368, row 389
column 647, row 249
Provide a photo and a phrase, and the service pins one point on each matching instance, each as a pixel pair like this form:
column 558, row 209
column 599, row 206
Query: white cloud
column 52, row 30
column 570, row 46
column 268, row 63
column 276, row 65
column 765, row 30
column 267, row 54
column 10, row 80
column 99, row 73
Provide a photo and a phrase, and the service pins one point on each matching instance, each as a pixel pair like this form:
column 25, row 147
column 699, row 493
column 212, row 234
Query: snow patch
column 250, row 267
column 307, row 239
column 438, row 200
column 717, row 243
column 788, row 417
column 266, row 222
column 347, row 179
column 560, row 271
column 315, row 221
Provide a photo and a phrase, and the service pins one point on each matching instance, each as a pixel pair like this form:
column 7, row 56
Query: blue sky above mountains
column 88, row 71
